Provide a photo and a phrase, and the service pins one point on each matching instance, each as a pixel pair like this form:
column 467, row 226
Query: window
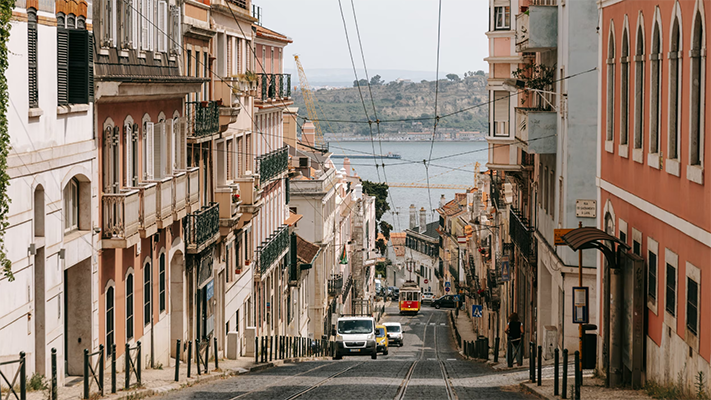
column 501, row 113
column 551, row 192
column 237, row 320
column 177, row 143
column 147, row 294
column 236, row 56
column 161, row 282
column 204, row 75
column 109, row 23
column 32, row 57
column 148, row 150
column 71, row 205
column 110, row 159
column 175, row 33
column 698, row 66
column 109, row 319
column 129, row 307
column 75, row 65
column 692, row 305
column 674, row 87
column 655, row 92
column 127, row 24
column 624, row 89
column 162, row 27
column 671, row 290
column 502, row 18
column 652, row 275
column 610, row 117
column 130, row 133
column 639, row 91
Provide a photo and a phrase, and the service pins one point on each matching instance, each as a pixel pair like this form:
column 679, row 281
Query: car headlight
column 371, row 337
column 339, row 338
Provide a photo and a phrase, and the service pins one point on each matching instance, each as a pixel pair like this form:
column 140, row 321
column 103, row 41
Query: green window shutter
column 287, row 184
column 62, row 66
column 90, row 54
column 78, row 90
column 32, row 58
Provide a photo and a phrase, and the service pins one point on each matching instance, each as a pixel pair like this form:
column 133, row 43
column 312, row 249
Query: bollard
column 556, row 371
column 126, row 367
column 207, row 354
column 256, row 350
column 281, row 356
column 540, row 356
column 177, row 360
column 190, row 355
column 577, row 375
column 465, row 349
column 53, row 392
column 531, row 374
column 485, row 348
column 86, row 373
column 197, row 356
column 564, row 394
column 113, row 368
column 496, row 350
column 23, row 376
column 101, row 368
column 138, row 362
column 271, row 347
column 509, row 354
column 217, row 365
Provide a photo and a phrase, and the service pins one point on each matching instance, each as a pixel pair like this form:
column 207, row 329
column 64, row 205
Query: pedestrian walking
column 514, row 332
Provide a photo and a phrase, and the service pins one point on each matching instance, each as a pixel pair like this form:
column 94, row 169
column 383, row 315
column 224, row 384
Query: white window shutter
column 163, row 24
column 149, row 151
column 128, row 149
column 157, row 147
column 151, row 28
column 135, row 24
column 175, row 147
column 144, row 24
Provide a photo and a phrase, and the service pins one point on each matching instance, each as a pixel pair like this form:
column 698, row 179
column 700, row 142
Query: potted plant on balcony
column 247, row 262
column 248, row 81
column 235, row 198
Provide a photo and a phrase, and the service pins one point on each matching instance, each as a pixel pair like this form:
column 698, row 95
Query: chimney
column 442, row 201
column 413, row 216
column 423, row 220
column 347, row 166
column 308, row 133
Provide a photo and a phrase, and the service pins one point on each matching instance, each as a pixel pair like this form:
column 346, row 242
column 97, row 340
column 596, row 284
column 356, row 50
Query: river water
column 448, row 166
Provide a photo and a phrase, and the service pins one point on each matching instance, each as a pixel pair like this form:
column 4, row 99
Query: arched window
column 71, row 205
column 109, row 319
column 624, row 88
column 639, row 90
column 698, row 66
column 655, row 92
column 674, row 81
column 161, row 281
column 129, row 307
column 610, row 120
column 147, row 293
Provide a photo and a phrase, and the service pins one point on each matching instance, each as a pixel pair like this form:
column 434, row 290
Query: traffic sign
column 446, row 289
column 477, row 310
column 426, row 281
column 447, row 284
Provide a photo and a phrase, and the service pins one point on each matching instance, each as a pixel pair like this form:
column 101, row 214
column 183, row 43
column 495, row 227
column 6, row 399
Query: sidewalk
column 593, row 388
column 155, row 381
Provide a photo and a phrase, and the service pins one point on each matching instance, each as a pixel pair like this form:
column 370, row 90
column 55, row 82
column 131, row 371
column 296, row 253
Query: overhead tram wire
column 436, row 117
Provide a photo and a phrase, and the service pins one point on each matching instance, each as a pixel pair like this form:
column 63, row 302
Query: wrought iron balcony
column 347, row 287
column 335, row 285
column 497, row 195
column 521, row 233
column 272, row 164
column 273, row 87
column 203, row 118
column 240, row 3
column 202, row 227
column 273, row 248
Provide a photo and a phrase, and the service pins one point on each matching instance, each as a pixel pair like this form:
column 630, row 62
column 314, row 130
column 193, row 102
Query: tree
column 362, row 82
column 376, row 81
column 381, row 246
column 385, row 228
column 480, row 73
column 380, row 191
column 453, row 77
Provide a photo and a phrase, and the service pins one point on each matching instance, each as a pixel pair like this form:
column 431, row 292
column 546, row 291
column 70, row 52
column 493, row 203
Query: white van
column 355, row 336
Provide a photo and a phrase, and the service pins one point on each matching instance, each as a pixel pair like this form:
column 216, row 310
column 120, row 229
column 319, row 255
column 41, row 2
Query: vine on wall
column 6, row 7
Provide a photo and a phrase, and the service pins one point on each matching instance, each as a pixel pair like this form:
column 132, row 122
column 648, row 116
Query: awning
column 585, row 237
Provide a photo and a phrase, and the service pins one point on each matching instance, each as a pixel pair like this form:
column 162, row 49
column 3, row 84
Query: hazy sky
column 396, row 34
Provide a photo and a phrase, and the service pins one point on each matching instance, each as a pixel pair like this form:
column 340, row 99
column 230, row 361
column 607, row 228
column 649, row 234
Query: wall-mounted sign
column 580, row 305
column 586, row 208
column 477, row 310
column 558, row 236
column 505, row 273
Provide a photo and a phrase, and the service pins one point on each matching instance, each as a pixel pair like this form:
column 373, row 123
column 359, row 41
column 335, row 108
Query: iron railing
column 94, row 372
column 335, row 285
column 203, row 225
column 496, row 193
column 347, row 287
column 273, row 86
column 272, row 248
column 521, row 233
column 239, row 3
column 272, row 164
column 14, row 383
column 203, row 118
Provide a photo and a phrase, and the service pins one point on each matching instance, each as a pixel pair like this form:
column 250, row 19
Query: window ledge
column 142, row 54
column 609, row 146
column 123, row 53
column 653, row 160
column 103, row 51
column 35, row 112
column 74, row 234
column 157, row 55
column 652, row 305
column 623, row 150
column 695, row 173
column 672, row 167
column 72, row 108
column 638, row 155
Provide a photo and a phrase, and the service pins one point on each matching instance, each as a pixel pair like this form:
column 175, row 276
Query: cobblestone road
column 415, row 371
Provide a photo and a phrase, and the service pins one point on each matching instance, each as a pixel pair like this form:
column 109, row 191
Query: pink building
column 654, row 194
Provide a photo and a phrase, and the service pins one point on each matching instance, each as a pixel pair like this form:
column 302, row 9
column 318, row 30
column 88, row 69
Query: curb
column 532, row 391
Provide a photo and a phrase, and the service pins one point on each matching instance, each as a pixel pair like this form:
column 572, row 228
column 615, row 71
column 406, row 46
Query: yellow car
column 381, row 339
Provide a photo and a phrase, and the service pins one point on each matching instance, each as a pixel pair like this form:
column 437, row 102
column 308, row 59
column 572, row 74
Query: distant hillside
column 401, row 100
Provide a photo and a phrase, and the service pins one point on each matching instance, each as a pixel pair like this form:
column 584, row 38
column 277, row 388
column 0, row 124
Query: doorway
column 40, row 318
column 77, row 323
column 177, row 306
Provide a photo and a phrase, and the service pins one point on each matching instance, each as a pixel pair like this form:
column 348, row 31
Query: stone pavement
column 593, row 388
column 155, row 381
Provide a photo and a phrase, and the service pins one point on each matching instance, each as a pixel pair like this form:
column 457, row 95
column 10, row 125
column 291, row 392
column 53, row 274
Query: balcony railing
column 193, row 188
column 521, row 233
column 203, row 118
column 239, row 3
column 347, row 287
column 180, row 181
column 120, row 214
column 273, row 86
column 497, row 196
column 335, row 285
column 229, row 198
column 543, row 2
column 272, row 248
column 202, row 226
column 147, row 208
column 273, row 164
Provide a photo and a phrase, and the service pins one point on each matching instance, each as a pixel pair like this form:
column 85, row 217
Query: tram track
column 307, row 390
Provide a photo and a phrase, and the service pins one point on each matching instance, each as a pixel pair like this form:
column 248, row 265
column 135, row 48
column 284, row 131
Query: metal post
column 580, row 284
column 564, row 394
column 540, row 352
column 256, row 350
column 531, row 363
column 197, row 357
column 101, row 369
column 217, row 365
column 556, row 371
column 496, row 350
column 271, row 347
column 113, row 368
column 190, row 355
column 23, row 376
column 509, row 354
column 86, row 373
column 138, row 362
column 53, row 392
column 577, row 375
column 127, row 368
column 207, row 355
column 177, row 360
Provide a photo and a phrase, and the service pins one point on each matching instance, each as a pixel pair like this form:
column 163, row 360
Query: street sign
column 580, row 305
column 477, row 310
column 586, row 208
column 505, row 275
column 446, row 289
column 558, row 236
column 426, row 281
column 447, row 284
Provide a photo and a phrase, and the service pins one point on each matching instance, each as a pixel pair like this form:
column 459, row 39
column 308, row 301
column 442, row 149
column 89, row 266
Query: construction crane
column 310, row 101
column 415, row 185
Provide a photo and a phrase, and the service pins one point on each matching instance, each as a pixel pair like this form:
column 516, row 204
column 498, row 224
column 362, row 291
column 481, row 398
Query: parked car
column 381, row 339
column 427, row 297
column 394, row 332
column 355, row 336
column 447, row 301
column 394, row 292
